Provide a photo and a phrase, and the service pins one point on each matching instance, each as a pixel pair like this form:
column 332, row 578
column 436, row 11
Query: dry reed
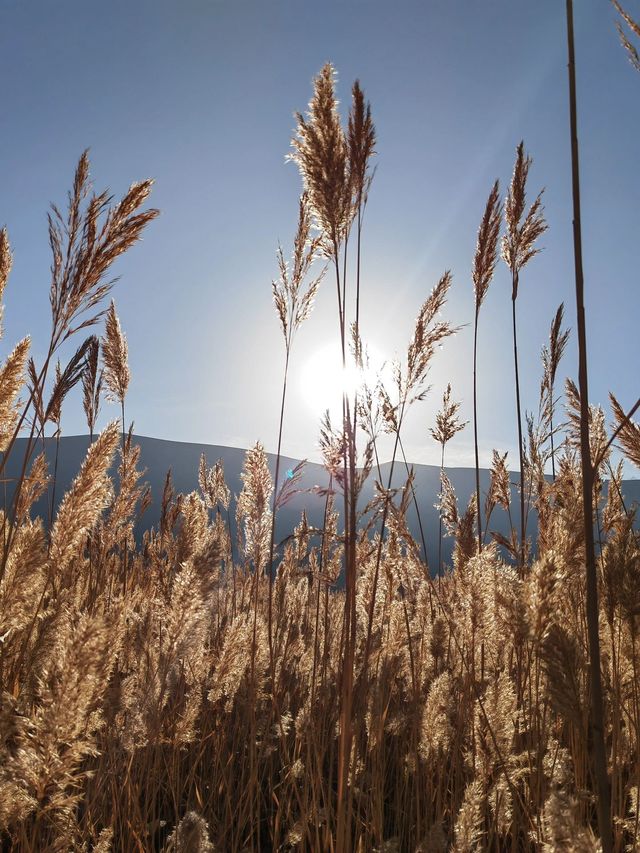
column 251, row 701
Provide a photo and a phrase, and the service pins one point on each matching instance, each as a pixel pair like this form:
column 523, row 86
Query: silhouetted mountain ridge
column 157, row 456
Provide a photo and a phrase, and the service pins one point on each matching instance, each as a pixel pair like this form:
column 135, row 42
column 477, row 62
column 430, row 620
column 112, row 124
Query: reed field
column 190, row 690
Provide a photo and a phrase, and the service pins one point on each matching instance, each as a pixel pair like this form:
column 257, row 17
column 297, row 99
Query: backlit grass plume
column 92, row 379
column 85, row 243
column 158, row 692
column 361, row 140
column 6, row 261
column 11, row 379
column 448, row 424
column 321, row 153
column 634, row 27
column 484, row 264
column 292, row 305
column 551, row 356
column 84, row 502
column 519, row 245
column 628, row 432
column 115, row 354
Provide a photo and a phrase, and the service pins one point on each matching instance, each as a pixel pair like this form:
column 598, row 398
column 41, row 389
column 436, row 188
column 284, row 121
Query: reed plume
column 448, row 424
column 484, row 264
column 389, row 713
column 518, row 247
column 92, row 379
column 631, row 49
column 85, row 244
column 6, row 261
column 84, row 501
column 551, row 356
column 11, row 380
column 115, row 354
column 321, row 154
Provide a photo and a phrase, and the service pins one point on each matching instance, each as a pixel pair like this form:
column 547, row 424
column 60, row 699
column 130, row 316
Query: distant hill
column 157, row 456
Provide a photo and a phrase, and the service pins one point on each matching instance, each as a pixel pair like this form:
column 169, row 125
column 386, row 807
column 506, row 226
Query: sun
column 323, row 379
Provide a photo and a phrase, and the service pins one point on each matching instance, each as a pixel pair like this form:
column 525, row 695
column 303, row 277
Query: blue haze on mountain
column 157, row 456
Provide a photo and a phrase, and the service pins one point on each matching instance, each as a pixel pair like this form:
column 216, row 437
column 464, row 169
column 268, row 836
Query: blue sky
column 200, row 96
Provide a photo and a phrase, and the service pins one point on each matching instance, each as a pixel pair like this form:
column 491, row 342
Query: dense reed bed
column 333, row 692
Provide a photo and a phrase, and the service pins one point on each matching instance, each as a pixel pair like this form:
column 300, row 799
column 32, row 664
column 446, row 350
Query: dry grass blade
column 572, row 405
column 551, row 357
column 332, row 448
column 288, row 490
column 35, row 484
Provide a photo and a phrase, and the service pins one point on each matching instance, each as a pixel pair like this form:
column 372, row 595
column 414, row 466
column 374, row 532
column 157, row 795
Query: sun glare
column 323, row 378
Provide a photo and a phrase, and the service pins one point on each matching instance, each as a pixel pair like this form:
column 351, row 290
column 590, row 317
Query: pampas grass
column 182, row 694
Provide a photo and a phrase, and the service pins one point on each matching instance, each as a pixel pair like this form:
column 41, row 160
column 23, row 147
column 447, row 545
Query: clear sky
column 200, row 96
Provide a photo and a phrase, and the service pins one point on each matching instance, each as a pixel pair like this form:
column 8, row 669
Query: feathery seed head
column 428, row 333
column 85, row 243
column 361, row 138
column 253, row 505
column 292, row 307
column 629, row 432
column 484, row 262
column 447, row 421
column 92, row 384
column 115, row 354
column 212, row 484
column 191, row 835
column 320, row 151
column 85, row 500
column 499, row 493
column 66, row 379
column 551, row 357
column 6, row 259
column 518, row 243
column 11, row 379
column 631, row 49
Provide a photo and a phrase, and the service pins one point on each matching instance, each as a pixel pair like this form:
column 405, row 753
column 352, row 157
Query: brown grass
column 177, row 694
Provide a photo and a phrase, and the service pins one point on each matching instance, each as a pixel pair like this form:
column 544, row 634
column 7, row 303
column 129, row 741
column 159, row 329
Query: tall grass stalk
column 484, row 265
column 597, row 724
column 518, row 247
